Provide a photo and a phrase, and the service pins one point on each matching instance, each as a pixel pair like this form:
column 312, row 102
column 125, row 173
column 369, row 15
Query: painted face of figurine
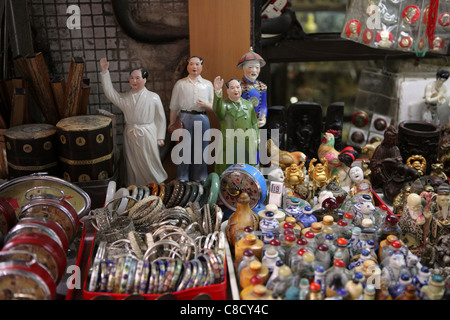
column 443, row 200
column 276, row 175
column 234, row 90
column 356, row 174
column 137, row 82
column 194, row 67
column 251, row 70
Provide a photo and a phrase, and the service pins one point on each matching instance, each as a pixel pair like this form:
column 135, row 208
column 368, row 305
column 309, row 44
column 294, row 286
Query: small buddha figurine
column 418, row 162
column 294, row 175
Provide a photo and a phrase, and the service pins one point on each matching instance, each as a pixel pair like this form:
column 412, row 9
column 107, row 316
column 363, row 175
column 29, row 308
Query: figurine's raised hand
column 104, row 64
column 218, row 84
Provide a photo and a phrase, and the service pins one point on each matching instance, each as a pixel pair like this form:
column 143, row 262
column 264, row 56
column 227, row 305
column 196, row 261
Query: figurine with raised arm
column 239, row 126
column 145, row 126
column 253, row 89
column 191, row 97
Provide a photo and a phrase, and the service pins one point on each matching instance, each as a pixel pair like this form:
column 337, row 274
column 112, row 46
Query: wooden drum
column 31, row 148
column 86, row 148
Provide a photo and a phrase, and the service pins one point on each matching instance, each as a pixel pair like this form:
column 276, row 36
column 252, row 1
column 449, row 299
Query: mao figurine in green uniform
column 239, row 126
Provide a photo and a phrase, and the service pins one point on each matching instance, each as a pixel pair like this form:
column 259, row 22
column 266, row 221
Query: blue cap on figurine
column 251, row 56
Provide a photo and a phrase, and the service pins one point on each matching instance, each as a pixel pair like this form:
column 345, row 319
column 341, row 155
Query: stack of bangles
column 172, row 263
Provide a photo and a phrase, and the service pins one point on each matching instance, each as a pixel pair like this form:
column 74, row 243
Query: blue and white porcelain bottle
column 268, row 223
column 307, row 218
column 293, row 208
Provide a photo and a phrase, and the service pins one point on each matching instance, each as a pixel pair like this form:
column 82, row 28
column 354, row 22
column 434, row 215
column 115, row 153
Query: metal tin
column 31, row 148
column 86, row 148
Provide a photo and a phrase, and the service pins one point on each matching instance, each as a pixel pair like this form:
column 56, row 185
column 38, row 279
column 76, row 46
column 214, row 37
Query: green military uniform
column 236, row 115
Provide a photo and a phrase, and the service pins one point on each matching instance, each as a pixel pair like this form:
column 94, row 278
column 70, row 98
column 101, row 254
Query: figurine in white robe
column 145, row 127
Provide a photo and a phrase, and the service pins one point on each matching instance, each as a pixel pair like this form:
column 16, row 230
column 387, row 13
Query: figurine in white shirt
column 191, row 97
column 145, row 126
column 435, row 95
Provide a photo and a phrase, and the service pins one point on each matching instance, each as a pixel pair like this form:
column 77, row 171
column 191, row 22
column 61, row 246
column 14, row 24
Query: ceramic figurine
column 435, row 95
column 235, row 113
column 369, row 148
column 417, row 162
column 440, row 225
column 412, row 265
column 241, row 218
column 294, row 176
column 284, row 159
column 392, row 271
column 400, row 200
column 332, row 158
column 145, row 126
column 442, row 248
column 444, row 148
column 437, row 169
column 276, row 174
column 319, row 174
column 415, row 225
column 363, row 209
column 435, row 290
column 191, row 97
column 356, row 174
column 253, row 89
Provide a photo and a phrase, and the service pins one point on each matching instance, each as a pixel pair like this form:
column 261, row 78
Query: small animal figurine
column 369, row 148
column 437, row 169
column 392, row 270
column 281, row 158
